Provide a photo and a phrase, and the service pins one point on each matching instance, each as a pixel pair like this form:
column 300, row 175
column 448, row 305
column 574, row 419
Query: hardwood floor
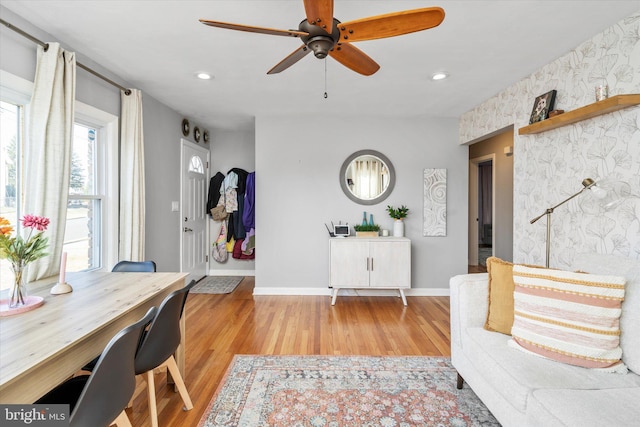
column 220, row 326
column 477, row 268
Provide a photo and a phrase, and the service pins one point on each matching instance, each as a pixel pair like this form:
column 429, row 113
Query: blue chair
column 135, row 267
column 99, row 399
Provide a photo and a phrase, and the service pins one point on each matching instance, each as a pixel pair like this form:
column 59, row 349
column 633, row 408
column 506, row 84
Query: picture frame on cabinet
column 541, row 106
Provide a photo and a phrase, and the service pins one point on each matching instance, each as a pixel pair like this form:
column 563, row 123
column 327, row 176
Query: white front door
column 193, row 227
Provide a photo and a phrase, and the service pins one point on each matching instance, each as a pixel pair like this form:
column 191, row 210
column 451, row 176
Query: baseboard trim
column 291, row 291
column 250, row 273
column 419, row 292
column 428, row 292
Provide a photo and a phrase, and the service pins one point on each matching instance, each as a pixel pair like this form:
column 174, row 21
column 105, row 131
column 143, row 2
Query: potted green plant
column 369, row 230
column 398, row 214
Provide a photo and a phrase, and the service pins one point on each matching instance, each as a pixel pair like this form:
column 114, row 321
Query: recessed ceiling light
column 203, row 76
column 439, row 76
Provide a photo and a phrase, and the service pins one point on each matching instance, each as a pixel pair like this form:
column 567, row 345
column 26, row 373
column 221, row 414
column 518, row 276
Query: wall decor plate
column 185, row 127
column 196, row 133
column 205, row 136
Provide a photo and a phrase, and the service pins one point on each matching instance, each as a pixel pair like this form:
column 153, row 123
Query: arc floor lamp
column 587, row 184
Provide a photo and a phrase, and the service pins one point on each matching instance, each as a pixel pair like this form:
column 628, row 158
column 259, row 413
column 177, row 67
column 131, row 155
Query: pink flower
column 40, row 223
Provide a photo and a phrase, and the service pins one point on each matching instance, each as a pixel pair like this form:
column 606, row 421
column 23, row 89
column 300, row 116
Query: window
column 15, row 94
column 83, row 232
column 11, row 125
column 91, row 236
column 195, row 165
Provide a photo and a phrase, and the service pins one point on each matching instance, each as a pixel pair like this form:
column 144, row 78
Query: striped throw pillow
column 568, row 317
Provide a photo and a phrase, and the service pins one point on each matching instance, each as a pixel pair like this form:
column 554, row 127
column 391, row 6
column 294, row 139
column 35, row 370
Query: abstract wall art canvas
column 435, row 203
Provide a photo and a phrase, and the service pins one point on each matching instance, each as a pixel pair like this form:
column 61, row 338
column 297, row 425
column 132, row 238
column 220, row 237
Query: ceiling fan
column 325, row 35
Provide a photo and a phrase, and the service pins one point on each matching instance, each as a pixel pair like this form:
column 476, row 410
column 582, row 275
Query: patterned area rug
column 217, row 285
column 337, row 391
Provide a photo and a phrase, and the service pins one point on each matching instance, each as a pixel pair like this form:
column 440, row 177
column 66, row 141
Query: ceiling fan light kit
column 335, row 39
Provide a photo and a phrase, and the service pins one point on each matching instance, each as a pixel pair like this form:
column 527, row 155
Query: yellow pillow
column 501, row 286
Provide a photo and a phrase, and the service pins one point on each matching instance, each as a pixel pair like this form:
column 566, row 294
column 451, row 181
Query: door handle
column 187, row 229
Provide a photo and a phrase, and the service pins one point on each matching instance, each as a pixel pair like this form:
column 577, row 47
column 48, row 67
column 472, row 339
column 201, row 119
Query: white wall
column 548, row 167
column 298, row 161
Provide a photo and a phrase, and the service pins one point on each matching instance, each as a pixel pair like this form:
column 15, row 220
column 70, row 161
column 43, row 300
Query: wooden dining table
column 41, row 348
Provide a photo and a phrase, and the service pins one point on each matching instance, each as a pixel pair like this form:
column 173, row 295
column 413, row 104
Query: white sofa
column 525, row 390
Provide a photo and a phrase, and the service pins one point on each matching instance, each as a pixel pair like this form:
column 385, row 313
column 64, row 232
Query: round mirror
column 367, row 177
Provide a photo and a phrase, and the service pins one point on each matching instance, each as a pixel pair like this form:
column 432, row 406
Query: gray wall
column 298, row 192
column 162, row 134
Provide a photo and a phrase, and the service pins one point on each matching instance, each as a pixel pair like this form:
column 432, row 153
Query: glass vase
column 18, row 292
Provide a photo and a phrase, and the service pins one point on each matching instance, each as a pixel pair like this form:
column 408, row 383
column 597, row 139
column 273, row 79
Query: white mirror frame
column 347, row 190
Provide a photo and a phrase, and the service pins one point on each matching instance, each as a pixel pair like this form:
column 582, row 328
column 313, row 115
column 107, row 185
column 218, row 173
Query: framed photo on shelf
column 541, row 107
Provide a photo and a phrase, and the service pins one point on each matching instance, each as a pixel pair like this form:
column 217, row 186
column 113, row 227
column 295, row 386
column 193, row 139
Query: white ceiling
column 158, row 46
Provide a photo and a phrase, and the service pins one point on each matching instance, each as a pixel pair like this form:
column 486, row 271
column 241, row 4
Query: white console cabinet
column 371, row 263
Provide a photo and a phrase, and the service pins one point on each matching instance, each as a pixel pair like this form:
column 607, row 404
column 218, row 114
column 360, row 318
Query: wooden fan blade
column 320, row 13
column 251, row 29
column 287, row 62
column 391, row 24
column 353, row 58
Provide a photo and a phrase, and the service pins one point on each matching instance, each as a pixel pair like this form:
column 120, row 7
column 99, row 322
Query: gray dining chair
column 99, row 399
column 158, row 346
column 135, row 267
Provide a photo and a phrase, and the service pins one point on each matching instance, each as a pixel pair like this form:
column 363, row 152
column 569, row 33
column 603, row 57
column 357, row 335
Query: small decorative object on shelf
column 20, row 253
column 398, row 214
column 602, row 92
column 364, row 218
column 555, row 113
column 541, row 107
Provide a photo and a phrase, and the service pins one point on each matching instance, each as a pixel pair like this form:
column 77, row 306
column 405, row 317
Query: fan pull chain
column 326, row 95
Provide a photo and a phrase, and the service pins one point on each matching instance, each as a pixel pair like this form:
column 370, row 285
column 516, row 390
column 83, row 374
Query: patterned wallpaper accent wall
column 550, row 166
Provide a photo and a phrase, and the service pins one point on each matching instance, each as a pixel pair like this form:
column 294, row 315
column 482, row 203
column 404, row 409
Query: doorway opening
column 481, row 210
column 491, row 199
column 485, row 211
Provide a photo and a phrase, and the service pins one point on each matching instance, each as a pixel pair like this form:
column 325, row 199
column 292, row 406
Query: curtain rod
column 46, row 46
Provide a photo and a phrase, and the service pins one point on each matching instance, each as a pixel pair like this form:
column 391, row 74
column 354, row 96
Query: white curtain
column 132, row 206
column 368, row 178
column 48, row 150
